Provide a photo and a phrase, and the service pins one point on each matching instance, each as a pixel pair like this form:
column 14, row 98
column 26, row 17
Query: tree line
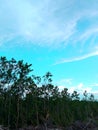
column 26, row 99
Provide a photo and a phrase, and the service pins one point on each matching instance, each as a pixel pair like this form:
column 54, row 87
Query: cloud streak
column 77, row 58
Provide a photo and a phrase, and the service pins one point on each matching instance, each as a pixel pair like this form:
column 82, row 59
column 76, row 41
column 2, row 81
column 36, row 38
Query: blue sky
column 60, row 36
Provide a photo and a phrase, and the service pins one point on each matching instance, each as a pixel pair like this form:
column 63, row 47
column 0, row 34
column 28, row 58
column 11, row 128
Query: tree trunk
column 17, row 120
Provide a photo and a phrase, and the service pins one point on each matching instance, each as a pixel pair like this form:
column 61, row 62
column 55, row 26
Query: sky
column 59, row 36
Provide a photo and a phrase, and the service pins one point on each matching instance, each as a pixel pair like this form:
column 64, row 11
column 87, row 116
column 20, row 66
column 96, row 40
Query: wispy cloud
column 65, row 81
column 34, row 21
column 77, row 58
column 45, row 23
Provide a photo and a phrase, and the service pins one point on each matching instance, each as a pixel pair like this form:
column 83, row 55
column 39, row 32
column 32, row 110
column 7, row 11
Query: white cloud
column 78, row 58
column 34, row 21
column 95, row 93
column 88, row 33
column 44, row 23
column 61, row 88
column 80, row 88
column 71, row 89
column 94, row 85
column 65, row 81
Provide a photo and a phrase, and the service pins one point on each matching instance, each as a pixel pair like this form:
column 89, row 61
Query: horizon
column 56, row 36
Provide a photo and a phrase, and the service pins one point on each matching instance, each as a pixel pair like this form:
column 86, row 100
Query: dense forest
column 26, row 99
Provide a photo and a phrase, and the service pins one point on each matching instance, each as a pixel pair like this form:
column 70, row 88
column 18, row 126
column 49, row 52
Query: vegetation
column 26, row 99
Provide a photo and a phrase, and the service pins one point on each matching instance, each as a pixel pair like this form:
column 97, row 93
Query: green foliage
column 27, row 99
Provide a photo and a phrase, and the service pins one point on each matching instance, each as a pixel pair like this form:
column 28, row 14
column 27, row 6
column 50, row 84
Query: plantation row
column 26, row 99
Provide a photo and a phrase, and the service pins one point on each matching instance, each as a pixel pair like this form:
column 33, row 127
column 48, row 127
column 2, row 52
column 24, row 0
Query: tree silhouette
column 26, row 99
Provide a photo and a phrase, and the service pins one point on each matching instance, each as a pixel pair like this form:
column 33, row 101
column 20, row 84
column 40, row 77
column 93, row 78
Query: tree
column 14, row 80
column 85, row 94
column 7, row 78
column 91, row 98
column 46, row 88
column 65, row 94
column 75, row 95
